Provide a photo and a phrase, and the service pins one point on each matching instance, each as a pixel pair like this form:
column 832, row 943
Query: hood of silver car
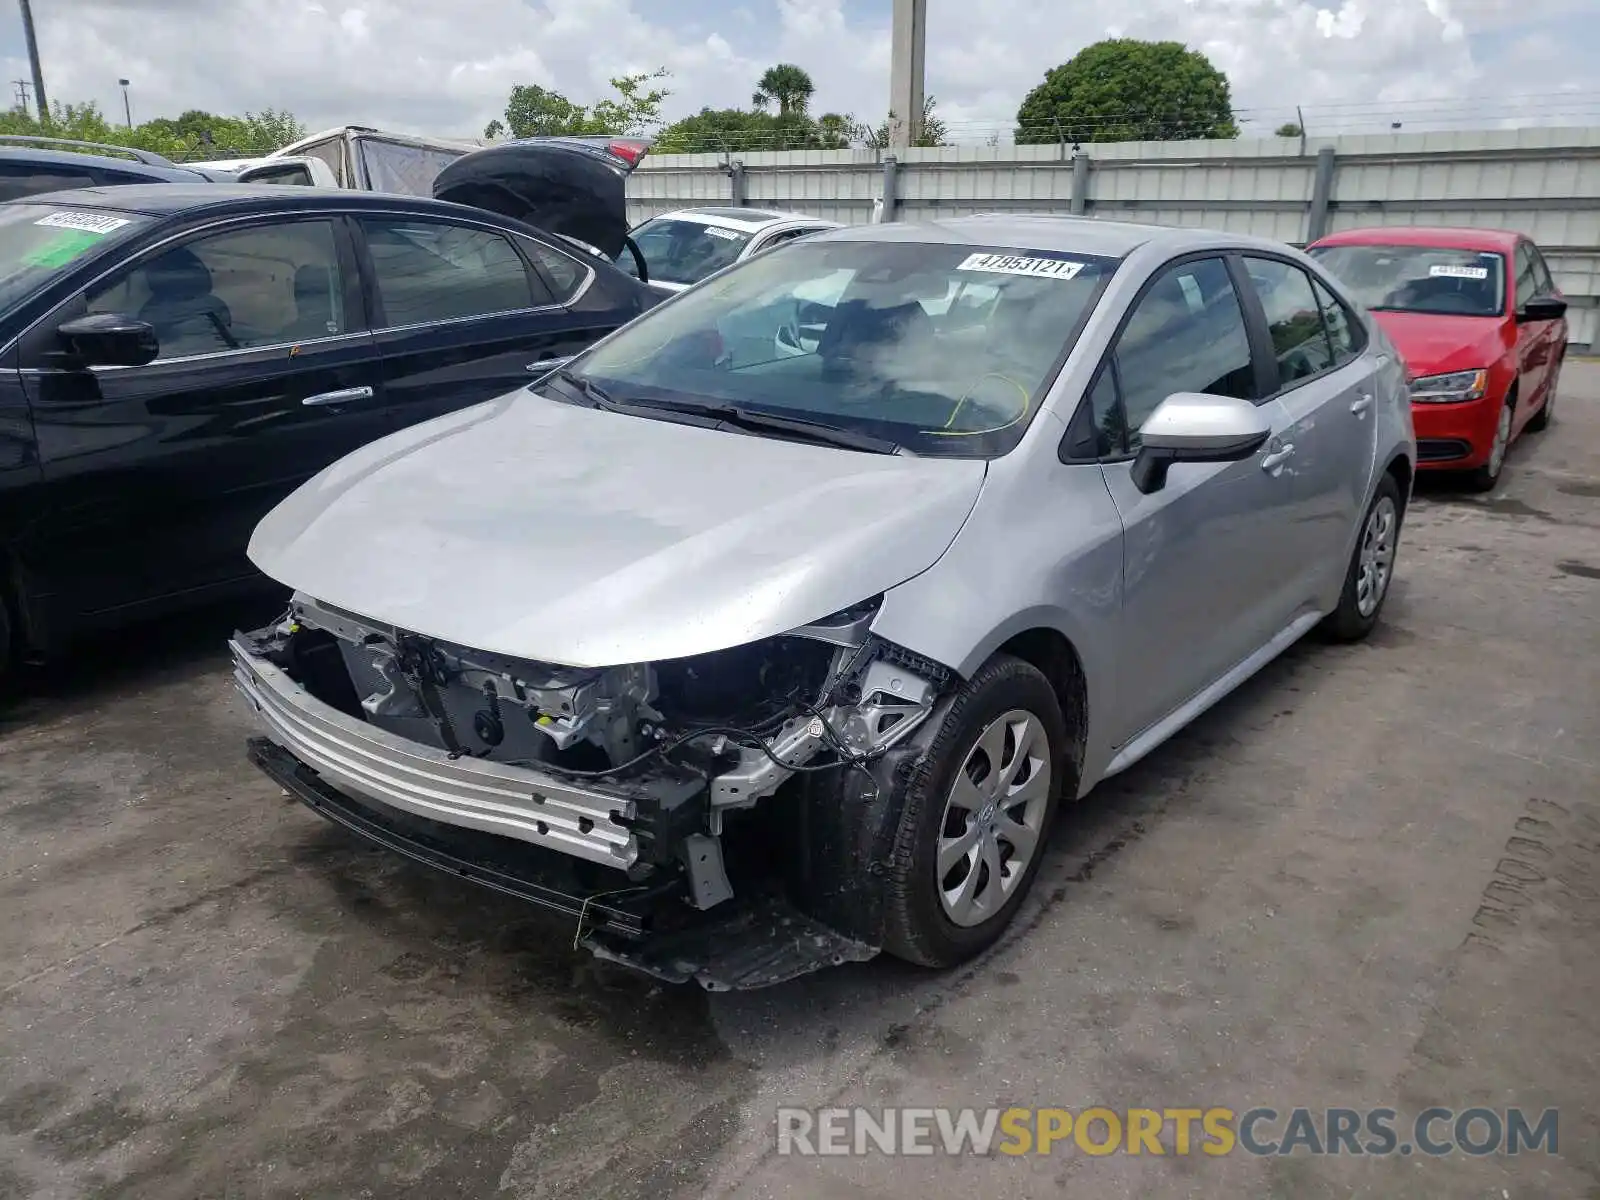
column 572, row 535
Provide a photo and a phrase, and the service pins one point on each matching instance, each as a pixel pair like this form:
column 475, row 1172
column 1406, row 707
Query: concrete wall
column 1543, row 182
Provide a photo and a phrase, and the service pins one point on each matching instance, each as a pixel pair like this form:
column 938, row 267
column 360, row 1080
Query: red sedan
column 1480, row 324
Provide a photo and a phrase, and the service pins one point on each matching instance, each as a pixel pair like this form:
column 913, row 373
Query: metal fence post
column 891, row 193
column 736, row 184
column 1321, row 195
column 1080, row 184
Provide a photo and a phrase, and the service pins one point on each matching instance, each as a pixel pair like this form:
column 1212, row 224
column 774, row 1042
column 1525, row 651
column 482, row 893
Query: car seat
column 188, row 318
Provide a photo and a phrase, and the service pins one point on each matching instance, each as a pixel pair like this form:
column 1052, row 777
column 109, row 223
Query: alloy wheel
column 993, row 820
column 1375, row 564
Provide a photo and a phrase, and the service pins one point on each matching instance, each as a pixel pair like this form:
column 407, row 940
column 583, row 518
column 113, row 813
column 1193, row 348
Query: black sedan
column 175, row 359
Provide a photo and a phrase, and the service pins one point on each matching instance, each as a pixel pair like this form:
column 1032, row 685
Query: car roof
column 751, row 219
column 171, row 199
column 100, row 162
column 1052, row 233
column 1441, row 237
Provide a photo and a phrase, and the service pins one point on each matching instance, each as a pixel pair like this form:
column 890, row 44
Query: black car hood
column 574, row 187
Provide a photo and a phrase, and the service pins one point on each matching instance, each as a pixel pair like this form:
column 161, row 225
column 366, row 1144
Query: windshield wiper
column 761, row 422
column 591, row 391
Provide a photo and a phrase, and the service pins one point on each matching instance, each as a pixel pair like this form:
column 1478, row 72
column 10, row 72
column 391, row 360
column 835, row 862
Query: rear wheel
column 1366, row 582
column 976, row 815
column 1486, row 476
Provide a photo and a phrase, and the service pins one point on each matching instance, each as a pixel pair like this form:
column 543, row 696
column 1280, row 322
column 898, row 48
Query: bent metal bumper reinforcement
column 586, row 822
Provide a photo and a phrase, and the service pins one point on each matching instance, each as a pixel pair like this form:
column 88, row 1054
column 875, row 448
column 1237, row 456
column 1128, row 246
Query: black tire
column 916, row 925
column 1348, row 623
column 1540, row 421
column 1485, row 477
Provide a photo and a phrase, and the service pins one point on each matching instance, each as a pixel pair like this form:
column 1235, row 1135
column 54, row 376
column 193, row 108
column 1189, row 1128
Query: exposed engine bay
column 659, row 755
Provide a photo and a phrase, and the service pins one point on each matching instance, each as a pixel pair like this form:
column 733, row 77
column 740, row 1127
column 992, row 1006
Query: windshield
column 1420, row 279
column 40, row 241
column 942, row 349
column 680, row 251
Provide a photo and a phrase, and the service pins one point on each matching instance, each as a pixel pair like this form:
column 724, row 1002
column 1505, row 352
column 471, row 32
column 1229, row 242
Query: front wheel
column 976, row 814
column 1485, row 477
column 1366, row 581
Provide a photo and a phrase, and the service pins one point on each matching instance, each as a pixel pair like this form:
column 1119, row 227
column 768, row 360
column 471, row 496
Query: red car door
column 1535, row 339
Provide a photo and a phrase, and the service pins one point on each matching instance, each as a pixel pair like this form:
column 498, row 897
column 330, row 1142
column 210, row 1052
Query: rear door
column 1203, row 557
column 155, row 476
column 463, row 313
column 1327, row 390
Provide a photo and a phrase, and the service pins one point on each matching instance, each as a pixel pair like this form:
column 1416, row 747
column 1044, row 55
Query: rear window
column 39, row 242
column 681, row 251
column 1420, row 279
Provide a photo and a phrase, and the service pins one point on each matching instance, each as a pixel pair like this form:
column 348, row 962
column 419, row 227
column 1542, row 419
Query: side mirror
column 1542, row 308
column 110, row 340
column 1193, row 427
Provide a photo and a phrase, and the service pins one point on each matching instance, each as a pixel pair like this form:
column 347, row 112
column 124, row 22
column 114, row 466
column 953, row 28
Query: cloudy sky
column 445, row 66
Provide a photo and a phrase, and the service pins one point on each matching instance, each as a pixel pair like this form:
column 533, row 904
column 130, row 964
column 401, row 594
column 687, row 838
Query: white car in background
column 681, row 248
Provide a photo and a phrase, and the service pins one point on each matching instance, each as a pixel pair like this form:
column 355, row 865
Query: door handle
column 545, row 365
column 1360, row 405
column 342, row 396
column 1271, row 462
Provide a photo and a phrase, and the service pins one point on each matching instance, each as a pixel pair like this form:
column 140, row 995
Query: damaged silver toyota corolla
column 768, row 632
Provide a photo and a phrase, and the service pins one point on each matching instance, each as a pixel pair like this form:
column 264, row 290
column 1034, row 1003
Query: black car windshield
column 1420, row 279
column 682, row 251
column 40, row 241
column 939, row 348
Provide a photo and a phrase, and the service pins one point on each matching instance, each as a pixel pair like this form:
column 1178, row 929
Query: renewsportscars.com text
column 1216, row 1131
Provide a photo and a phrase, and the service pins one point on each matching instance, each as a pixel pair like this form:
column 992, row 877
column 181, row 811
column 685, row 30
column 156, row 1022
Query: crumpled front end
column 668, row 807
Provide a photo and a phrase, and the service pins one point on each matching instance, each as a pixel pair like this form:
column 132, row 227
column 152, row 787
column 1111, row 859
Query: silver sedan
column 812, row 592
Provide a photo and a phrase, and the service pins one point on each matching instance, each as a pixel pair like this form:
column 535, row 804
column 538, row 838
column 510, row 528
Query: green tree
column 836, row 131
column 787, row 86
column 732, row 130
column 1289, row 129
column 189, row 136
column 933, row 131
column 637, row 108
column 535, row 111
column 1122, row 90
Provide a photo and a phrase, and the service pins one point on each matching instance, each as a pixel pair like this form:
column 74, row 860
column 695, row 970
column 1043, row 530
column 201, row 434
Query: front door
column 461, row 316
column 155, row 476
column 1203, row 556
column 1327, row 391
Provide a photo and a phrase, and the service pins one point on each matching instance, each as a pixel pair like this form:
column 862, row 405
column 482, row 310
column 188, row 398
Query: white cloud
column 446, row 68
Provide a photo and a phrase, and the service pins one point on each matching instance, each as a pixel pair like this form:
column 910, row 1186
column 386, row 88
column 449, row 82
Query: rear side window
column 19, row 179
column 1186, row 334
column 566, row 275
column 1294, row 319
column 431, row 271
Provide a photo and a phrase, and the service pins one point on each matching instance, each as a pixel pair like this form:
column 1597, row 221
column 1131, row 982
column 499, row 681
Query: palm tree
column 787, row 86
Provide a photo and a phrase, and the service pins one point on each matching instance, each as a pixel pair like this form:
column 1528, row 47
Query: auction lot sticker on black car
column 85, row 221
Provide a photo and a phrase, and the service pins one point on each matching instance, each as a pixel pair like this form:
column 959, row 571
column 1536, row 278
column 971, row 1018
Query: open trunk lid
column 575, row 187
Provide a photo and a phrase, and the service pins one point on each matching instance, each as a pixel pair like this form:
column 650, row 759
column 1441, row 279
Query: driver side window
column 267, row 285
column 1186, row 334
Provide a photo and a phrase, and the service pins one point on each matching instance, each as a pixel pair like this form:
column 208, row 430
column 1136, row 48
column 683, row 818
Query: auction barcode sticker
column 88, row 222
column 1015, row 264
column 726, row 235
column 1451, row 271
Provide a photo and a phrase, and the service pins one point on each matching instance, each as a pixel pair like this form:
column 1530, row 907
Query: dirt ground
column 1370, row 878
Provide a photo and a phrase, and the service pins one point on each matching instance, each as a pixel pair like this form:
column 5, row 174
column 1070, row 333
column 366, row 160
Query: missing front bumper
column 742, row 945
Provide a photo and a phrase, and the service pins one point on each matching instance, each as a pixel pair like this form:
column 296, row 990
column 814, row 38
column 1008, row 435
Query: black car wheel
column 976, row 816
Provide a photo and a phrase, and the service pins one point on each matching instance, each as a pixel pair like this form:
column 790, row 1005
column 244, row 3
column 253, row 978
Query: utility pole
column 21, row 86
column 127, row 109
column 908, row 43
column 42, row 105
